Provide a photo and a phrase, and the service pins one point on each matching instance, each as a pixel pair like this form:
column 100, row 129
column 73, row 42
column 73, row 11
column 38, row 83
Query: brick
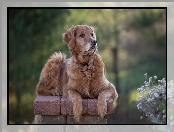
column 93, row 110
column 87, row 119
column 110, row 106
column 92, row 107
column 64, row 106
column 55, row 105
column 47, row 105
column 69, row 108
column 85, row 106
column 56, row 119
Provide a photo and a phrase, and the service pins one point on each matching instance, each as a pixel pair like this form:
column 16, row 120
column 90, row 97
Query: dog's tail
column 48, row 82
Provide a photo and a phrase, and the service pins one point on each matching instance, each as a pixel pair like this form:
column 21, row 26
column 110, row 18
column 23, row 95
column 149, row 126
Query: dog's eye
column 82, row 35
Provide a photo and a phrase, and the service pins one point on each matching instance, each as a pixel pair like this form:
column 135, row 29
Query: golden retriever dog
column 81, row 76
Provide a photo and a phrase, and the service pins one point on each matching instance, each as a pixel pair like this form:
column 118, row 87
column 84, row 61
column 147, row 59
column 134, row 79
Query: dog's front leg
column 104, row 95
column 77, row 103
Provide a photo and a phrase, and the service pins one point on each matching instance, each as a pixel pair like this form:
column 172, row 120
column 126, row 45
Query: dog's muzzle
column 93, row 47
column 94, row 44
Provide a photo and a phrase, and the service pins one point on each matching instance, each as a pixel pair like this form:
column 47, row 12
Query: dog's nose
column 94, row 42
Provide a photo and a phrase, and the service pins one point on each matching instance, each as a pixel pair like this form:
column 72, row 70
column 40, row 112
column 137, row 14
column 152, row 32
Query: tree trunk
column 115, row 67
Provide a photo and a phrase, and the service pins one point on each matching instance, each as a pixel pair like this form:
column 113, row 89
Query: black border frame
column 75, row 8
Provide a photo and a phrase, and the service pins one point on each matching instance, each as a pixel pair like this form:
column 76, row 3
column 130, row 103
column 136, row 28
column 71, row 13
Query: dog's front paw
column 78, row 112
column 102, row 108
column 77, row 117
column 55, row 92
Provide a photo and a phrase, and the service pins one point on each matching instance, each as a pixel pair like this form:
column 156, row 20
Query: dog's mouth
column 92, row 49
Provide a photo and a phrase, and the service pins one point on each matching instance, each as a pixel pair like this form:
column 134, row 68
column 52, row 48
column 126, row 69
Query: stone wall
column 57, row 110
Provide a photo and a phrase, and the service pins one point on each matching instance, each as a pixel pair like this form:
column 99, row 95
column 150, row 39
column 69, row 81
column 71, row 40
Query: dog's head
column 81, row 39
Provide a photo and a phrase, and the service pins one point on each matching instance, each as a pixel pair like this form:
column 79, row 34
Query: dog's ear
column 93, row 31
column 68, row 35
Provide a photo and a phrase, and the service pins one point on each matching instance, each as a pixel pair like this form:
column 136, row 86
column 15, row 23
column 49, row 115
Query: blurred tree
column 147, row 41
column 142, row 48
column 33, row 36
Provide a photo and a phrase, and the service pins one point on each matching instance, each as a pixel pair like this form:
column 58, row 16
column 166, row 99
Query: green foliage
column 34, row 34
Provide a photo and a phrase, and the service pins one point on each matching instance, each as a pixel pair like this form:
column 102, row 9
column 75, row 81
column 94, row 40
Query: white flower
column 150, row 79
column 155, row 77
column 159, row 81
column 156, row 95
column 151, row 98
column 145, row 75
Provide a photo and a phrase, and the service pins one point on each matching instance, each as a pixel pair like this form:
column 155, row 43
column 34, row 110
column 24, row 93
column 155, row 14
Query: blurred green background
column 131, row 42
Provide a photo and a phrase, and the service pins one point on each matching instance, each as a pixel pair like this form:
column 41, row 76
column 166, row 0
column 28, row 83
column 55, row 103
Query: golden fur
column 81, row 76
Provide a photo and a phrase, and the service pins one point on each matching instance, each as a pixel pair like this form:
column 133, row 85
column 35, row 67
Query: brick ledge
column 55, row 105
